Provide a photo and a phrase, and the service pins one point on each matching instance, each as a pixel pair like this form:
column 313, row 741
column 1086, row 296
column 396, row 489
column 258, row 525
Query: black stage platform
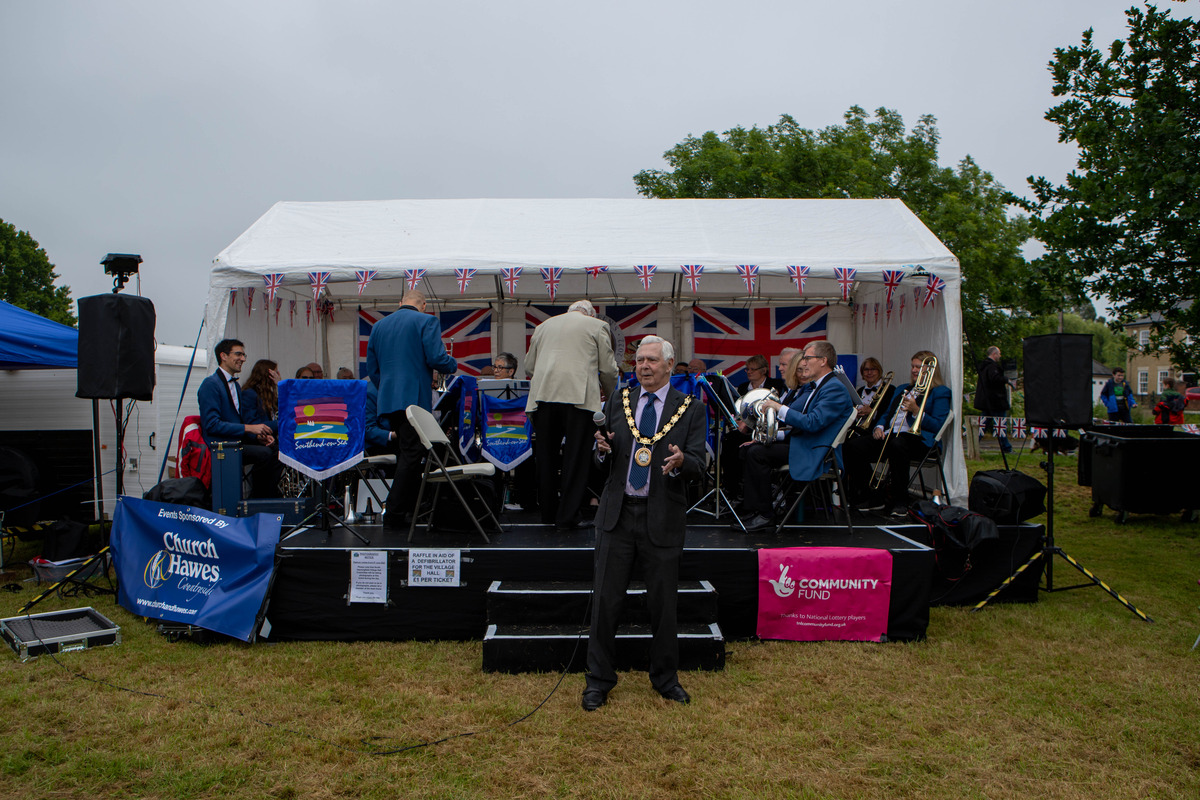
column 309, row 599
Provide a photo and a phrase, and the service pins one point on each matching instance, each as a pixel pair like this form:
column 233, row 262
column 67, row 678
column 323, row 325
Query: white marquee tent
column 446, row 239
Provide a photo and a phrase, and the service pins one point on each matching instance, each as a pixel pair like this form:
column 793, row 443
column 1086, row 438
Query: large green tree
column 1126, row 223
column 27, row 277
column 873, row 157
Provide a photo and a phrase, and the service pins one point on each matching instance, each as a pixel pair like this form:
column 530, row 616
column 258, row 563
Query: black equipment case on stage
column 294, row 510
column 1007, row 496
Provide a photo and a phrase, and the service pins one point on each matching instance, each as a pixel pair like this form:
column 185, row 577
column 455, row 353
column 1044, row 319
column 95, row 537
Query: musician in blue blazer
column 903, row 447
column 814, row 418
column 220, row 419
column 404, row 349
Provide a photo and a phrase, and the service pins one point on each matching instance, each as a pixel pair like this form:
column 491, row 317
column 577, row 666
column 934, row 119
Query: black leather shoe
column 675, row 694
column 594, row 698
column 759, row 523
column 575, row 526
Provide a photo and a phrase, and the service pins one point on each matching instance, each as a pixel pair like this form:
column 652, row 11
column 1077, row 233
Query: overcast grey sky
column 167, row 129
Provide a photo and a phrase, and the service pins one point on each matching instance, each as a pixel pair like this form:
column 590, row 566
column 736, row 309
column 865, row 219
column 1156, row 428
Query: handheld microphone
column 601, row 423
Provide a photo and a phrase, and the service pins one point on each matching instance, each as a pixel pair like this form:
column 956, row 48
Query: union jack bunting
column 233, row 297
column 845, row 279
column 266, row 306
column 902, row 297
column 1036, row 432
column 864, row 315
column 364, row 276
column 627, row 323
column 1190, row 428
column 595, row 271
column 645, row 273
column 1060, row 433
column 725, row 337
column 1018, row 427
column 325, row 309
column 414, row 277
column 933, row 287
column 891, row 279
column 278, row 306
column 249, row 299
column 272, row 281
column 691, row 274
column 889, row 312
column 308, row 312
column 799, row 276
column 551, row 276
column 877, row 315
column 471, row 330
column 291, row 313
column 749, row 273
column 463, row 275
column 510, row 276
column 318, row 281
column 916, row 298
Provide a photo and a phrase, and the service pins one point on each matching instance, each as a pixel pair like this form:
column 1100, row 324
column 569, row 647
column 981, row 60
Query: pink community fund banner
column 811, row 594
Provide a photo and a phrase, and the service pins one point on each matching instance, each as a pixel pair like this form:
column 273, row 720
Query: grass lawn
column 1072, row 697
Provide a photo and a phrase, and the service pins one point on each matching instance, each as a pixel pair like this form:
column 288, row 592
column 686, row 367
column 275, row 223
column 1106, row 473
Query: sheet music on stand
column 504, row 389
column 849, row 384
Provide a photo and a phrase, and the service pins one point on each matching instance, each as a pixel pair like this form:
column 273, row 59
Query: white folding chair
column 934, row 456
column 832, row 472
column 438, row 471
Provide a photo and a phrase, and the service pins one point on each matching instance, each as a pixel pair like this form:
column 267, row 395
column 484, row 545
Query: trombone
column 864, row 424
column 920, row 388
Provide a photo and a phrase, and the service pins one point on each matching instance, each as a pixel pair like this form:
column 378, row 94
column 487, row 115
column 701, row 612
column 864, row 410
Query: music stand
column 712, row 395
column 321, row 434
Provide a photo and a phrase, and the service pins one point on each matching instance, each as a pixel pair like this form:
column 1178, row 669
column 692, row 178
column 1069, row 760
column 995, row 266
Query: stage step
column 541, row 626
column 550, row 648
column 566, row 602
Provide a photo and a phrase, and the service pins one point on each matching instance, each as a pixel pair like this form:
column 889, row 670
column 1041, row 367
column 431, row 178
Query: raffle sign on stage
column 809, row 594
column 435, row 567
column 190, row 565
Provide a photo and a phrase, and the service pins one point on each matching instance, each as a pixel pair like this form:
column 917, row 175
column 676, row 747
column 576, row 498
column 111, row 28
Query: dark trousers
column 761, row 461
column 266, row 470
column 410, row 460
column 860, row 454
column 903, row 449
column 563, row 452
column 616, row 552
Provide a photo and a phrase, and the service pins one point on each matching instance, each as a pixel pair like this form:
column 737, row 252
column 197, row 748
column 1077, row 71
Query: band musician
column 871, row 372
column 893, row 442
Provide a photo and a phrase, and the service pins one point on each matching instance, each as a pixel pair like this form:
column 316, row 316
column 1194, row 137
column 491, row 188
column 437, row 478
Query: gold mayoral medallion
column 641, row 456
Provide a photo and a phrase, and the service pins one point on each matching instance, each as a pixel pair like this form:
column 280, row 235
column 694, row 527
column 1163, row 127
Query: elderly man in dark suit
column 220, row 419
column 404, row 349
column 641, row 517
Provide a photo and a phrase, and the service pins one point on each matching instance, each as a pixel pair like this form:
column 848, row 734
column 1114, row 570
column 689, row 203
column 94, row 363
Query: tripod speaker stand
column 1057, row 374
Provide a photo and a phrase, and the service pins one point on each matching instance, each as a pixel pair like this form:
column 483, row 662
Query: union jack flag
column 464, row 275
column 318, row 280
column 308, row 312
column 1060, row 433
column 1018, row 428
column 233, row 297
column 645, row 273
column 595, row 271
column 471, row 330
column 414, row 277
column 902, row 298
column 627, row 323
column 364, row 276
column 845, row 279
column 1190, row 428
column 249, row 300
column 510, row 276
column 278, row 306
column 889, row 311
column 272, row 281
column 877, row 315
column 916, row 298
column 552, row 275
column 726, row 337
column 799, row 277
column 1037, row 432
column 691, row 274
column 933, row 287
column 291, row 313
column 891, row 279
column 749, row 273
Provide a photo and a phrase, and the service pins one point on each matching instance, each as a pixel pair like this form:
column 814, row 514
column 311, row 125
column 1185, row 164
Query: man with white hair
column 571, row 363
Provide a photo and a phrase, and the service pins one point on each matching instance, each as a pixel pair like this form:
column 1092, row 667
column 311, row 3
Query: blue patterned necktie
column 638, row 475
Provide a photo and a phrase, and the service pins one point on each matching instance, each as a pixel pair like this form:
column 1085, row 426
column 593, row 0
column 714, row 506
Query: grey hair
column 584, row 307
column 667, row 350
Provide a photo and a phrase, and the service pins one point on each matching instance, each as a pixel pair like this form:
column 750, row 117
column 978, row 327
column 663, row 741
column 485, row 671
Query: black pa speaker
column 1058, row 379
column 116, row 347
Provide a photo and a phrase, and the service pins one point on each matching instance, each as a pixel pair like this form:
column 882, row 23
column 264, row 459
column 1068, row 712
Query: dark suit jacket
column 667, row 507
column 378, row 433
column 404, row 349
column 219, row 420
column 253, row 412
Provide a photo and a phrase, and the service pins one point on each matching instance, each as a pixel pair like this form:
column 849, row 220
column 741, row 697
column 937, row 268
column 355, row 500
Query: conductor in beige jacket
column 571, row 362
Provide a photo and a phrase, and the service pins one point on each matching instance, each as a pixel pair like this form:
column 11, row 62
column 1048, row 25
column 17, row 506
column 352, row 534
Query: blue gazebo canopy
column 29, row 341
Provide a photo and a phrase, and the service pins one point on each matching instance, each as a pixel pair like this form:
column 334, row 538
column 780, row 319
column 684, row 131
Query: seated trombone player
column 813, row 418
column 904, row 434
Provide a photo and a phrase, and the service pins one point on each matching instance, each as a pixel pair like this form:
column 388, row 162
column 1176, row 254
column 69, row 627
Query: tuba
column 763, row 422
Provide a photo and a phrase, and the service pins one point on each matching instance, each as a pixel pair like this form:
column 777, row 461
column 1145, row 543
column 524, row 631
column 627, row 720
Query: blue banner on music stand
column 321, row 425
column 507, row 431
column 194, row 566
